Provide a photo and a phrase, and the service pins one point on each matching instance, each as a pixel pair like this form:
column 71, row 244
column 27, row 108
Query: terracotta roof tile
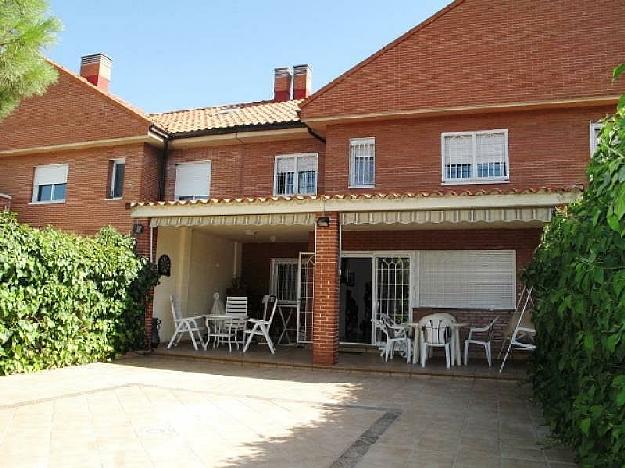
column 228, row 116
column 362, row 196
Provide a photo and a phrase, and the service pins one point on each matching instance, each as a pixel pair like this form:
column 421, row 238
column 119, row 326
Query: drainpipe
column 162, row 170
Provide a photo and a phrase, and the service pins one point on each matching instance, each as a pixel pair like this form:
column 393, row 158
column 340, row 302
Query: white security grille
column 362, row 162
column 475, row 156
column 393, row 287
column 193, row 180
column 305, row 296
column 474, row 279
column 295, row 174
column 284, row 279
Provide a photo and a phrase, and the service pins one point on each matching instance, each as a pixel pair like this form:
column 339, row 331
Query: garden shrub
column 67, row 299
column 578, row 275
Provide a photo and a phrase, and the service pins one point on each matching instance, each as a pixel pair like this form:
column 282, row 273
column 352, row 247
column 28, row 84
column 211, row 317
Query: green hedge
column 578, row 273
column 68, row 299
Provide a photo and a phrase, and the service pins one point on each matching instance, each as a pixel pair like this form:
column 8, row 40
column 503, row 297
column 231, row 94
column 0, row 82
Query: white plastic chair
column 191, row 325
column 395, row 335
column 236, row 308
column 260, row 327
column 436, row 333
column 488, row 329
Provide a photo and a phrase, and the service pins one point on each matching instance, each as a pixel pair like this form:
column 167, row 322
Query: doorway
column 356, row 300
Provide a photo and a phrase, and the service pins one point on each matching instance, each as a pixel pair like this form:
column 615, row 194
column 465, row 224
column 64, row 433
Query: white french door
column 305, row 296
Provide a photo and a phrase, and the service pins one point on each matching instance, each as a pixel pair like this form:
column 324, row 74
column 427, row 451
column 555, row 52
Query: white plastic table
column 456, row 353
column 219, row 323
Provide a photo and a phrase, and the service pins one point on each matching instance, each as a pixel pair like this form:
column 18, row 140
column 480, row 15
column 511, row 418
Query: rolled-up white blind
column 51, row 174
column 193, row 179
column 474, row 279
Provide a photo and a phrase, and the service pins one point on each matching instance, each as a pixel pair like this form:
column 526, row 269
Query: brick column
column 326, row 301
column 142, row 248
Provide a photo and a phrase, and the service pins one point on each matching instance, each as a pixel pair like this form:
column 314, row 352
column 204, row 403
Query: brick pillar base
column 326, row 301
column 142, row 248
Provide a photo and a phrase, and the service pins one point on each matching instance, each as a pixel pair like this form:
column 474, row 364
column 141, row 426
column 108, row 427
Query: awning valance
column 478, row 215
column 237, row 220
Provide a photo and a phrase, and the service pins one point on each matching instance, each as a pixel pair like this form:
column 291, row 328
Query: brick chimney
column 301, row 81
column 96, row 69
column 282, row 84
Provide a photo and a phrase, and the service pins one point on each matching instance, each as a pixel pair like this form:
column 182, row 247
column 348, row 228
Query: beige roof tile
column 228, row 116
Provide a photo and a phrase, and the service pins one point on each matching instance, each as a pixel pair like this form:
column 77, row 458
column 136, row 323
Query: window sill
column 310, row 194
column 50, row 202
column 113, row 198
column 361, row 186
column 476, row 182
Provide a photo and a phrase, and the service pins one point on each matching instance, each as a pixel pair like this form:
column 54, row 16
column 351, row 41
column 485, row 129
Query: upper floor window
column 295, row 174
column 595, row 132
column 475, row 157
column 50, row 183
column 362, row 162
column 118, row 167
column 193, row 180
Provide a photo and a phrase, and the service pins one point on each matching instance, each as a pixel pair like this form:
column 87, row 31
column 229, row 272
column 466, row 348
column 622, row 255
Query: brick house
column 417, row 180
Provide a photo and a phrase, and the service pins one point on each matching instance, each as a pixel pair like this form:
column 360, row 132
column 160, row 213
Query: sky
column 170, row 55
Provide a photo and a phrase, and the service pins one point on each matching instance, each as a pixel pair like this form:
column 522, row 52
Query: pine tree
column 25, row 29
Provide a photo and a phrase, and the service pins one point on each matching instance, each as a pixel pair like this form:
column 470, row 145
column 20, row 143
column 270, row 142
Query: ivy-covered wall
column 68, row 299
column 578, row 275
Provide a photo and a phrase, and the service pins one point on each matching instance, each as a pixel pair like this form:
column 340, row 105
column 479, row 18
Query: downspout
column 162, row 170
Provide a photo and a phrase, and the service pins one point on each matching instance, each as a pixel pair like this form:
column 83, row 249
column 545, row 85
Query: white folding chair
column 261, row 327
column 435, row 333
column 191, row 325
column 521, row 331
column 485, row 342
column 236, row 309
column 395, row 335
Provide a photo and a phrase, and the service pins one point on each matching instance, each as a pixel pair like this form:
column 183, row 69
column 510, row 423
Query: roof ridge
column 414, row 30
column 118, row 101
column 226, row 106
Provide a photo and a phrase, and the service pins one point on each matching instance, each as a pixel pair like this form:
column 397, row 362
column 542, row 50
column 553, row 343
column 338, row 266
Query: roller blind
column 193, row 180
column 51, row 174
column 474, row 279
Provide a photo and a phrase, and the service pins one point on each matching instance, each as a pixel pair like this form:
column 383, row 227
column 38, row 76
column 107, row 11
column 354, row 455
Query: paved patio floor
column 159, row 411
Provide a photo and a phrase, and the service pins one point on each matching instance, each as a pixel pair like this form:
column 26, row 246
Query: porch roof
column 466, row 205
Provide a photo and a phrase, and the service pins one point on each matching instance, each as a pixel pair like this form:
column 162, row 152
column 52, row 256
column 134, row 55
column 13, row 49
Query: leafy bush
column 68, row 299
column 578, row 275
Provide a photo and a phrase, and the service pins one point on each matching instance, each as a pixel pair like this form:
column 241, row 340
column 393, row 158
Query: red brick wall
column 546, row 148
column 326, row 302
column 243, row 169
column 482, row 52
column 86, row 208
column 70, row 111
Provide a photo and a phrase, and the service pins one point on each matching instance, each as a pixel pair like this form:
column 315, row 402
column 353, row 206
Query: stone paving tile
column 152, row 412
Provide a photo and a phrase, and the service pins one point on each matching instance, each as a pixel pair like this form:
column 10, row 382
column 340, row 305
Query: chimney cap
column 94, row 58
column 302, row 66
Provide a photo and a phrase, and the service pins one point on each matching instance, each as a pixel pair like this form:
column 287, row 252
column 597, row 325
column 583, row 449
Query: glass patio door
column 305, row 296
column 392, row 275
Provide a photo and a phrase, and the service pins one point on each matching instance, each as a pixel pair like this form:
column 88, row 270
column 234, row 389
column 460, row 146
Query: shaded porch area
column 350, row 359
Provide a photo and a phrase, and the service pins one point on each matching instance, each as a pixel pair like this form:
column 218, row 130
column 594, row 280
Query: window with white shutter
column 595, row 132
column 193, row 180
column 475, row 157
column 50, row 183
column 473, row 279
column 362, row 162
column 295, row 174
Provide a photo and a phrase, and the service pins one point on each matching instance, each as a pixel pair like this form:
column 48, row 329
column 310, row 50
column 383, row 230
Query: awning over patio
column 279, row 219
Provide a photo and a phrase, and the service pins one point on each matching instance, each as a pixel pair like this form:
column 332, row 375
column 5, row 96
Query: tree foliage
column 67, row 299
column 25, row 29
column 578, row 275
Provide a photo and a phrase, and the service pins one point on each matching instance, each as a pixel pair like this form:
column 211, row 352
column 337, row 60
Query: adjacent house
column 417, row 180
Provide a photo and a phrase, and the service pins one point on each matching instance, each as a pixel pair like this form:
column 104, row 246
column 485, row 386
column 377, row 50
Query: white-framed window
column 193, row 180
column 362, row 162
column 295, row 174
column 475, row 157
column 50, row 183
column 118, row 169
column 595, row 131
column 284, row 278
column 472, row 279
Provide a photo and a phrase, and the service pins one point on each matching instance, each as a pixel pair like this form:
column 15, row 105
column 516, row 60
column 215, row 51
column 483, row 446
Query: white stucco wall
column 201, row 264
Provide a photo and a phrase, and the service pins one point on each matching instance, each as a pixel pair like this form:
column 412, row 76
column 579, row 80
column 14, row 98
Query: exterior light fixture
column 323, row 221
column 137, row 228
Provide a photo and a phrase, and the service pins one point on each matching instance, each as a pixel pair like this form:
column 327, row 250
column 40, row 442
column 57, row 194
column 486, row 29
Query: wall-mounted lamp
column 137, row 229
column 323, row 221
